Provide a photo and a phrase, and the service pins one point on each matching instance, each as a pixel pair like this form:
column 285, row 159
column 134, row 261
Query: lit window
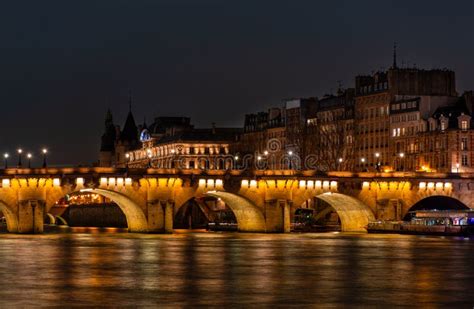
column 443, row 125
column 464, row 125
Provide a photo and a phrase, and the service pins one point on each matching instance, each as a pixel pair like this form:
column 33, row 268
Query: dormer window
column 464, row 122
column 443, row 125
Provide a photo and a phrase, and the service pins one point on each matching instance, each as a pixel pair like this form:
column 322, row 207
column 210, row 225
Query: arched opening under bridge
column 435, row 203
column 9, row 218
column 249, row 217
column 205, row 212
column 100, row 208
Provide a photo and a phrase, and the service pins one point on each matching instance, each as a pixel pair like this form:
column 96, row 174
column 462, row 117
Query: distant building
column 377, row 94
column 329, row 134
column 264, row 138
column 172, row 142
column 115, row 143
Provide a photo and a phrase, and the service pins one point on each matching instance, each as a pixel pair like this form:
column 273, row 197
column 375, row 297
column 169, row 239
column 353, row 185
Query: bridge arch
column 10, row 217
column 136, row 219
column 437, row 202
column 354, row 214
column 249, row 217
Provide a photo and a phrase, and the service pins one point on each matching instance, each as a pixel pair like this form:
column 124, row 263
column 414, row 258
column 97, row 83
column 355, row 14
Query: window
column 464, row 125
column 443, row 125
column 464, row 160
column 464, row 143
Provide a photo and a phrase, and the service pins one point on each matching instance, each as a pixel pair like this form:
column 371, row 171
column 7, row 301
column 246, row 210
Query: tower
column 107, row 146
column 128, row 139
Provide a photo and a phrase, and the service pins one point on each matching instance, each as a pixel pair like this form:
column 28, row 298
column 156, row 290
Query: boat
column 429, row 222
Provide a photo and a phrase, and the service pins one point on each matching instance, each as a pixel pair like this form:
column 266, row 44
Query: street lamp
column 340, row 162
column 290, row 154
column 457, row 167
column 265, row 153
column 402, row 155
column 20, row 151
column 377, row 155
column 45, row 152
column 29, row 156
column 6, row 155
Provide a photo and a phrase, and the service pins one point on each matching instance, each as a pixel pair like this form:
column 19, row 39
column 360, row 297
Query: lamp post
column 362, row 161
column 45, row 152
column 20, row 151
column 402, row 155
column 457, row 167
column 290, row 154
column 5, row 156
column 29, row 156
column 377, row 164
column 340, row 163
column 127, row 159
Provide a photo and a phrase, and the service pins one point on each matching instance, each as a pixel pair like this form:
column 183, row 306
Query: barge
column 429, row 222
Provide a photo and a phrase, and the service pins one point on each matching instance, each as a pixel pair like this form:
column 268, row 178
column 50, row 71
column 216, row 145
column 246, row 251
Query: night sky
column 63, row 63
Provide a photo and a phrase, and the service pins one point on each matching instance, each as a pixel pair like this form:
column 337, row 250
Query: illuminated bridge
column 262, row 201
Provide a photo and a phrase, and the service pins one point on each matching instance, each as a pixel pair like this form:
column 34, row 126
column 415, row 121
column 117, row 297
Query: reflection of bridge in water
column 262, row 201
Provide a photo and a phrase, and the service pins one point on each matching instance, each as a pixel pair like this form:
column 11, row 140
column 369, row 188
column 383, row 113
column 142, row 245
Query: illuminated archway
column 249, row 217
column 136, row 219
column 10, row 217
column 354, row 214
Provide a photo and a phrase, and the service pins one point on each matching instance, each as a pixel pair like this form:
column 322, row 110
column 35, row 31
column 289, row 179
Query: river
column 232, row 269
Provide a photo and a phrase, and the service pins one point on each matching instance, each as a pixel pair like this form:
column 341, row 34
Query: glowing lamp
column 422, row 186
column 219, row 182
column 202, row 182
column 318, row 183
column 5, row 183
column 103, row 181
column 210, row 183
column 302, row 183
column 56, row 182
column 79, row 181
column 112, row 181
column 245, row 183
column 439, row 185
column 430, row 185
column 310, row 184
column 120, row 182
column 128, row 181
column 253, row 183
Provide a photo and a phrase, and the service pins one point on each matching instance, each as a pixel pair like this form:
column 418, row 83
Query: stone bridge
column 262, row 201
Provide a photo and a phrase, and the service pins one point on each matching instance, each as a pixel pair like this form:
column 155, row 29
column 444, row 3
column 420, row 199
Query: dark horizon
column 63, row 64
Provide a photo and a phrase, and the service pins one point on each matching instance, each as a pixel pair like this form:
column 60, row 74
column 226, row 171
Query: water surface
column 231, row 269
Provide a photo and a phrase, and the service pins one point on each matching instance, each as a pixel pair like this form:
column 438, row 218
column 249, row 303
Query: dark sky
column 62, row 63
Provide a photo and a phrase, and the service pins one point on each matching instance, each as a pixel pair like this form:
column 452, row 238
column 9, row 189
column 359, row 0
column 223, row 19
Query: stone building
column 172, row 142
column 442, row 142
column 329, row 134
column 263, row 140
column 377, row 94
column 296, row 115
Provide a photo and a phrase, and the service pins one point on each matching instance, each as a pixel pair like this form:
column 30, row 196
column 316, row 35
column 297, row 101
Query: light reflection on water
column 224, row 269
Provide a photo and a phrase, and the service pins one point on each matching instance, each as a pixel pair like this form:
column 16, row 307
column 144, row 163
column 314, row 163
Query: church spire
column 394, row 64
